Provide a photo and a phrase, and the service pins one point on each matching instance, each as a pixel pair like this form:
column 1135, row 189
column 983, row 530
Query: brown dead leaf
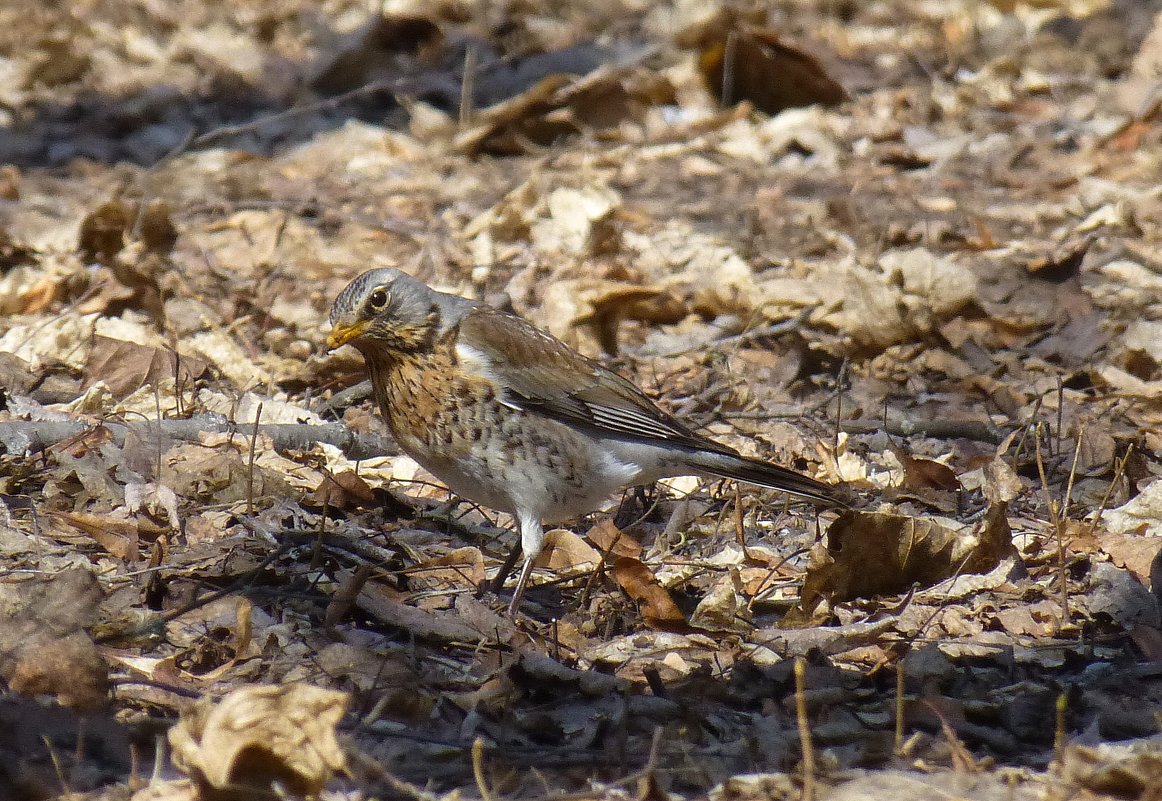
column 564, row 551
column 869, row 554
column 462, row 568
column 116, row 535
column 1001, row 482
column 600, row 306
column 639, row 583
column 44, row 649
column 126, row 366
column 506, row 127
column 766, row 70
column 608, row 538
column 920, row 473
column 1132, row 551
column 258, row 736
column 345, row 490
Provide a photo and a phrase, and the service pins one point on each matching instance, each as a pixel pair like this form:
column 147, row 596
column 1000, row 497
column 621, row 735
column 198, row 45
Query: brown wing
column 540, row 373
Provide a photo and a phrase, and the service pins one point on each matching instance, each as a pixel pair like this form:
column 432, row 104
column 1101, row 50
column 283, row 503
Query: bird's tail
column 765, row 474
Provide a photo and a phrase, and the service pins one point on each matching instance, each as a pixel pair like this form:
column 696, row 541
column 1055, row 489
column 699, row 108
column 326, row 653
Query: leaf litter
column 929, row 271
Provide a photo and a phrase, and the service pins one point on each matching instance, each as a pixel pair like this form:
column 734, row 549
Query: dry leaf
column 258, row 736
column 766, row 71
column 345, row 490
column 126, row 366
column 462, row 569
column 869, row 554
column 725, row 607
column 600, row 306
column 608, row 538
column 564, row 551
column 44, row 649
column 639, row 583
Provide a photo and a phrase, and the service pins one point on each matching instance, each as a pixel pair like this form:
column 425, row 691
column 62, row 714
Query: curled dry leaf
column 1140, row 516
column 126, row 366
column 765, row 70
column 870, row 554
column 607, row 537
column 639, row 583
column 565, row 551
column 44, row 649
column 345, row 490
column 1001, row 482
column 462, row 568
column 258, row 736
column 574, row 218
column 599, row 306
column 724, row 608
column 921, row 474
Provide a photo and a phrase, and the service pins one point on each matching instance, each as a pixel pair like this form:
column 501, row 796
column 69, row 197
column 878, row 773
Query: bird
column 512, row 418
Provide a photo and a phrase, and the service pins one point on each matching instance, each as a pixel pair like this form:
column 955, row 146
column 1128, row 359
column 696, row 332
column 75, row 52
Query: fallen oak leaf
column 257, row 737
column 872, row 553
column 640, row 584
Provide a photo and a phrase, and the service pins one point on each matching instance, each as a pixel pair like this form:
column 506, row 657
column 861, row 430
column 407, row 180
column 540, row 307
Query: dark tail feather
column 765, row 474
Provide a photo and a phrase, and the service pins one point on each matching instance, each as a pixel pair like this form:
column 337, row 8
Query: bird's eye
column 379, row 299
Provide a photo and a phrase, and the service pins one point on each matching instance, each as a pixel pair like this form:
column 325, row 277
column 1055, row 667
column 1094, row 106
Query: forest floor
column 914, row 248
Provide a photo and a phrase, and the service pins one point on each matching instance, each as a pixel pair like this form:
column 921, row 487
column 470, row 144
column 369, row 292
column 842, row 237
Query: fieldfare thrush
column 514, row 419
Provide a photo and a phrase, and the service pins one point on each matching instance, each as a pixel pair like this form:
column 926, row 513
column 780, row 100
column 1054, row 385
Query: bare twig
column 899, row 744
column 468, row 85
column 1062, row 707
column 250, row 464
column 478, row 769
column 19, row 436
column 729, row 55
column 804, row 729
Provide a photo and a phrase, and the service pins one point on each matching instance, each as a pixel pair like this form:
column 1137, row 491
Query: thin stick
column 250, row 470
column 729, row 54
column 468, row 86
column 1064, row 577
column 739, row 531
column 838, row 409
column 1119, row 469
column 1059, row 730
column 478, row 769
column 804, row 729
column 900, row 706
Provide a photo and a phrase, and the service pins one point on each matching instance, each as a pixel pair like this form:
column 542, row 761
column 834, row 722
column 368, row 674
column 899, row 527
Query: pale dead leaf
column 564, row 551
column 257, row 736
column 153, row 499
column 1142, row 515
column 724, row 608
column 1001, row 482
column 573, row 213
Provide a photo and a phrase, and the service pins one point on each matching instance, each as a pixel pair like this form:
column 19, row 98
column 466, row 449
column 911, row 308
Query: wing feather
column 540, row 374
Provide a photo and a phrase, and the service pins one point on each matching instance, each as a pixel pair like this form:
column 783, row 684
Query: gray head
column 386, row 310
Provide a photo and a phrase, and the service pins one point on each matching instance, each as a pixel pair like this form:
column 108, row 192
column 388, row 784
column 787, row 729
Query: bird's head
column 386, row 312
column 383, row 309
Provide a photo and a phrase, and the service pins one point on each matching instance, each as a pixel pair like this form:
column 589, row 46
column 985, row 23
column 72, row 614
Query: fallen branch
column 19, row 436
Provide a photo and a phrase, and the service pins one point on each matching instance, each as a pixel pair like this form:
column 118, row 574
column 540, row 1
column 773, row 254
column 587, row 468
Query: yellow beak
column 342, row 334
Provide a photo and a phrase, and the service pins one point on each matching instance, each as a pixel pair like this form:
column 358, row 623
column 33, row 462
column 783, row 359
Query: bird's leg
column 497, row 583
column 532, row 540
